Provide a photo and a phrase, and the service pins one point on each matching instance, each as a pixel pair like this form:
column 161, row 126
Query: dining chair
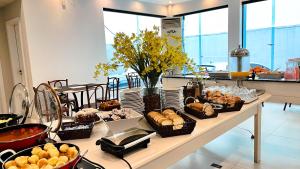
column 96, row 94
column 113, row 87
column 133, row 80
column 65, row 100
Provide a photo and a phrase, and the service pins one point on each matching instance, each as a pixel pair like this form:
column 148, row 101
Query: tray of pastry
column 170, row 122
column 229, row 102
column 202, row 110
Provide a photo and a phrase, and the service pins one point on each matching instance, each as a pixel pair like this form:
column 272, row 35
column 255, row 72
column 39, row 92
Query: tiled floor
column 234, row 150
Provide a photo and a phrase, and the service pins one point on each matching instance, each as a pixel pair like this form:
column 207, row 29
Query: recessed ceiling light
column 170, row 2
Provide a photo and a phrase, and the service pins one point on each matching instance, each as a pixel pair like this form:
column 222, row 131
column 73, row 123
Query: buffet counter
column 163, row 152
column 282, row 91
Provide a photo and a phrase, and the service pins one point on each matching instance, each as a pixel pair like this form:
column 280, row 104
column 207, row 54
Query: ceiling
column 5, row 2
column 164, row 2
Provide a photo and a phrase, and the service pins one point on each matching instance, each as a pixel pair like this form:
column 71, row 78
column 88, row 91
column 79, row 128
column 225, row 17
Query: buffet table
column 282, row 91
column 163, row 152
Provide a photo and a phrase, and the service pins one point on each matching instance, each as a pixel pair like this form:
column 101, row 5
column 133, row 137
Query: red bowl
column 23, row 143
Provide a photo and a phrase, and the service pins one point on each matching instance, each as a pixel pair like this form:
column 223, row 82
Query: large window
column 272, row 32
column 128, row 23
column 206, row 37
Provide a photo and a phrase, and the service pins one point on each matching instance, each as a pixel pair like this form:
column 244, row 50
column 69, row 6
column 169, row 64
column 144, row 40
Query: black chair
column 96, row 94
column 64, row 98
column 113, row 87
column 133, row 80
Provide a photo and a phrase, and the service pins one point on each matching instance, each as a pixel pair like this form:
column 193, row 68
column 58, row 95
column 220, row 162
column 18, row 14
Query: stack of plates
column 131, row 98
column 172, row 98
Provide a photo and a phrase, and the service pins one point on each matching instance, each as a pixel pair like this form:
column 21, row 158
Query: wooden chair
column 96, row 94
column 113, row 87
column 133, row 80
column 64, row 98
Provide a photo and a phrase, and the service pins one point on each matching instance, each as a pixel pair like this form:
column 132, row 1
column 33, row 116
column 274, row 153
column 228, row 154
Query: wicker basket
column 168, row 131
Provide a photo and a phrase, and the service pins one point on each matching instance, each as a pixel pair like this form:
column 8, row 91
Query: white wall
column 63, row 43
column 67, row 43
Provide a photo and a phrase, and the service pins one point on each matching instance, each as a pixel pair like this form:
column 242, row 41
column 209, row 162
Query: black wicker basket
column 200, row 114
column 237, row 107
column 76, row 133
column 168, row 131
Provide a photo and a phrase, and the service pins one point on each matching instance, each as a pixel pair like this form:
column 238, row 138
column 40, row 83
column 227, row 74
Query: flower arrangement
column 147, row 53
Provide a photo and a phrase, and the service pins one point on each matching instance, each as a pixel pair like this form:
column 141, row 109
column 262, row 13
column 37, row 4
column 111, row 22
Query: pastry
column 208, row 109
column 167, row 122
column 196, row 106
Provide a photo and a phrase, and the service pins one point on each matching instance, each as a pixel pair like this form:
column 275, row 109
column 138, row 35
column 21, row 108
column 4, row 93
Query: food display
column 19, row 137
column 73, row 130
column 120, row 120
column 170, row 122
column 116, row 114
column 48, row 156
column 88, row 115
column 109, row 105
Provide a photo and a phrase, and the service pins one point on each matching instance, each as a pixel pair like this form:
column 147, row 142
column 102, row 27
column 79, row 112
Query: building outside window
column 272, row 32
column 206, row 37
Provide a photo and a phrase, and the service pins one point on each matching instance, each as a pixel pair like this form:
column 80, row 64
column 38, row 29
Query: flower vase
column 151, row 99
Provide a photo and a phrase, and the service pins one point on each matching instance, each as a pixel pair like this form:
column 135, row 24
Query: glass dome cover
column 48, row 107
column 19, row 102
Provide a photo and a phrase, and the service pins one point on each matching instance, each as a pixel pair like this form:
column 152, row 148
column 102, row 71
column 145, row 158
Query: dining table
column 74, row 89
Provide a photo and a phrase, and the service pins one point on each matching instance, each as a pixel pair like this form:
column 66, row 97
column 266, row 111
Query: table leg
column 257, row 133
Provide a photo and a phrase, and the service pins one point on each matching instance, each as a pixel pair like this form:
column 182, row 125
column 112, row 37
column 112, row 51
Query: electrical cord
column 252, row 135
column 127, row 163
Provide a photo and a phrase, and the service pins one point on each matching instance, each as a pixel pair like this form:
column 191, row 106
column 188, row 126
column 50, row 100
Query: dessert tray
column 120, row 120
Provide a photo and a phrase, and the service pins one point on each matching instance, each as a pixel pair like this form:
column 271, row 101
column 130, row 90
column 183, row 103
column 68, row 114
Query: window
column 115, row 22
column 206, row 37
column 272, row 32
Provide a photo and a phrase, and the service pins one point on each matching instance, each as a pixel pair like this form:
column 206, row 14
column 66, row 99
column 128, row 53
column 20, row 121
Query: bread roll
column 168, row 112
column 167, row 122
column 196, row 106
column 208, row 109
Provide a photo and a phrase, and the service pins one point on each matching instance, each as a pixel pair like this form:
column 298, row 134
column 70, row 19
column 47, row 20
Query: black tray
column 237, row 107
column 74, row 134
column 167, row 131
column 87, row 164
column 12, row 122
column 200, row 114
